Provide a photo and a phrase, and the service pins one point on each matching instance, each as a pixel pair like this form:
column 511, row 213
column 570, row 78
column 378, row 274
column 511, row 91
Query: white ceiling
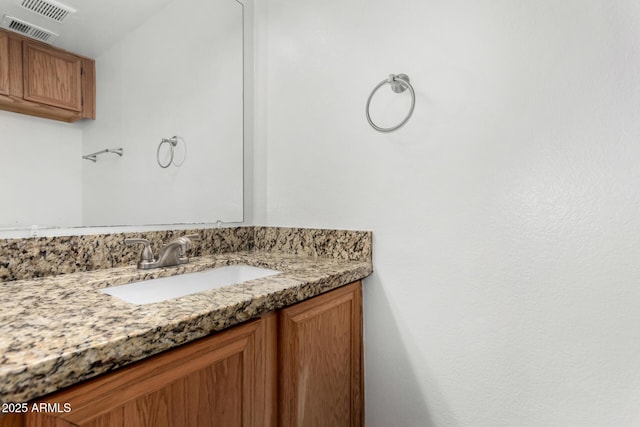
column 96, row 25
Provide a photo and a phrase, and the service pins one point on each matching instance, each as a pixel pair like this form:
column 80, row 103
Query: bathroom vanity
column 280, row 350
column 308, row 354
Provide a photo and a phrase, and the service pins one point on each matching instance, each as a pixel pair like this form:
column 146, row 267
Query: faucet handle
column 185, row 245
column 146, row 256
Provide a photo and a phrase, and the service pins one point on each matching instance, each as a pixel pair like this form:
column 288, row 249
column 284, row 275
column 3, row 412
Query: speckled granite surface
column 44, row 256
column 58, row 330
column 341, row 244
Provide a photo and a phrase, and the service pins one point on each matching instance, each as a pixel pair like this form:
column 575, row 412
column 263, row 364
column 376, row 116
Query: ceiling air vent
column 27, row 29
column 50, row 9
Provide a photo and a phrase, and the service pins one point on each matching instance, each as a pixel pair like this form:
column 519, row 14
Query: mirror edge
column 247, row 176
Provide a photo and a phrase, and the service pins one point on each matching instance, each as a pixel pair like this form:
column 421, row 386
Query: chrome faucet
column 173, row 253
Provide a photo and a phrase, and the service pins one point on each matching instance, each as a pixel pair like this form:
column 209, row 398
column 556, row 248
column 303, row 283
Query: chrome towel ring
column 399, row 83
column 173, row 142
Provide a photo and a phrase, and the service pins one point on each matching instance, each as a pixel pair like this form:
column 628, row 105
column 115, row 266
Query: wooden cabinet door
column 11, row 420
column 52, row 77
column 216, row 381
column 10, row 65
column 4, row 64
column 320, row 350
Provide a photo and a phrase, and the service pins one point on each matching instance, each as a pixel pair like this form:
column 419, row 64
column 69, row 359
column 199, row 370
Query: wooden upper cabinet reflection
column 4, row 64
column 43, row 81
column 51, row 77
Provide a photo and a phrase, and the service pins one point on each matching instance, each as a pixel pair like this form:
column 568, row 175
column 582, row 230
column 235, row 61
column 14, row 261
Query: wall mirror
column 164, row 68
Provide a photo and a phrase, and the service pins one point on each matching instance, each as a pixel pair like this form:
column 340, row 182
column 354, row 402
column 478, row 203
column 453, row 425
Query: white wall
column 249, row 101
column 505, row 214
column 48, row 191
column 179, row 73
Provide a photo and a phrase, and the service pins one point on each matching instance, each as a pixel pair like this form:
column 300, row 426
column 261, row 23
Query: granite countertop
column 59, row 330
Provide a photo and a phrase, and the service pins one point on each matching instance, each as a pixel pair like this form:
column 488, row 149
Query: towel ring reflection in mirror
column 172, row 143
column 399, row 83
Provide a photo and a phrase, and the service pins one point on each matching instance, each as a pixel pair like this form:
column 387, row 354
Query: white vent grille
column 50, row 9
column 27, row 29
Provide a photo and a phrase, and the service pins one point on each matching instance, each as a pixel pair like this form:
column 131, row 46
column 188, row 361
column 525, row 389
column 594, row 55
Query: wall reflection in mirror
column 175, row 72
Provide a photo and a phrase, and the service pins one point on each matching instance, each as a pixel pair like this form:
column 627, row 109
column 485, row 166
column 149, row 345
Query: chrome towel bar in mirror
column 399, row 83
column 94, row 156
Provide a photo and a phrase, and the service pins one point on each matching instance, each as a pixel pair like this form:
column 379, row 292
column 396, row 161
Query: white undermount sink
column 164, row 288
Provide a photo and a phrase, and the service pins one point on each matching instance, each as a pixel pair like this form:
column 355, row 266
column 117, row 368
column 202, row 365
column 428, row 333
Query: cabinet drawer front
column 52, row 77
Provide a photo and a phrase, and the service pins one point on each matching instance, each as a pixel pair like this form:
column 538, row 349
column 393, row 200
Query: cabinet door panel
column 52, row 77
column 11, row 420
column 321, row 360
column 4, row 64
column 209, row 383
column 113, row 418
column 212, row 396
